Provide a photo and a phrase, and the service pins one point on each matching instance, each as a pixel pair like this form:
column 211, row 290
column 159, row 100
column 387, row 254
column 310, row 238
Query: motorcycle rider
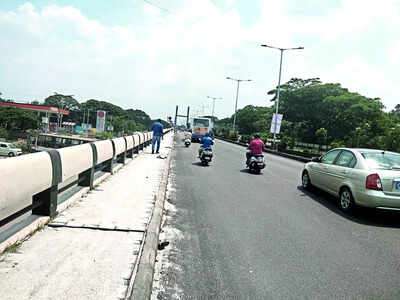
column 205, row 142
column 188, row 135
column 256, row 147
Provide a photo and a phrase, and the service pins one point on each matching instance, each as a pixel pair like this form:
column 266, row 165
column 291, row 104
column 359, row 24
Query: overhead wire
column 158, row 6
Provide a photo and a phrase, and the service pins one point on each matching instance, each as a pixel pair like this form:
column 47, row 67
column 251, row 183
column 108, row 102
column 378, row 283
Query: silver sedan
column 364, row 177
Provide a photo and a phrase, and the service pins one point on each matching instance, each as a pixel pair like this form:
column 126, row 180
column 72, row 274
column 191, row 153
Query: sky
column 156, row 54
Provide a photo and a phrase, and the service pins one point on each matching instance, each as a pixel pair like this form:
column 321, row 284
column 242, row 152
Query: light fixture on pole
column 237, row 95
column 279, row 83
column 213, row 98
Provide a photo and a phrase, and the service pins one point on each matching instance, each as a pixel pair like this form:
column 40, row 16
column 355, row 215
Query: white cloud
column 183, row 56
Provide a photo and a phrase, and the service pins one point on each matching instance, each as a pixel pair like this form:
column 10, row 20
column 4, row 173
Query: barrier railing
column 34, row 181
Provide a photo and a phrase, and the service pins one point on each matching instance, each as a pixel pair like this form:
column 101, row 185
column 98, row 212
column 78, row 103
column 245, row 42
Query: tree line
column 123, row 121
column 323, row 113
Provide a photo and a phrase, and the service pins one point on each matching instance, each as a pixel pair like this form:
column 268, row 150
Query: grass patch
column 13, row 248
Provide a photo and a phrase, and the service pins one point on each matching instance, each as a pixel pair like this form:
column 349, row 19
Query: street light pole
column 237, row 95
column 213, row 98
column 279, row 83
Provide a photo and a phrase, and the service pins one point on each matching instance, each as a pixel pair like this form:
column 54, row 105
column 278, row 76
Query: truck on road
column 199, row 128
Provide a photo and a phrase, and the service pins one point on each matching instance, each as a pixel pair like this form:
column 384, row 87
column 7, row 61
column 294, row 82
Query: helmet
column 256, row 135
column 207, row 134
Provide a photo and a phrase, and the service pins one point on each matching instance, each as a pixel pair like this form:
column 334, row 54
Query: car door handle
column 345, row 172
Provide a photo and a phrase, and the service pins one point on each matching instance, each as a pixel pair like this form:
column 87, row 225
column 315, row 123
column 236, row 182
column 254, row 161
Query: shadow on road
column 361, row 215
column 251, row 173
column 199, row 164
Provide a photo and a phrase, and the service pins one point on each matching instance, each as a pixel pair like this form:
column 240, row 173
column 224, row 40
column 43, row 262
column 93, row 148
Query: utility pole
column 237, row 95
column 212, row 113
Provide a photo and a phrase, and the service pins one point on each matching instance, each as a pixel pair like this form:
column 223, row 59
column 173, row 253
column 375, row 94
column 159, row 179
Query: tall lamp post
column 212, row 114
column 279, row 83
column 237, row 94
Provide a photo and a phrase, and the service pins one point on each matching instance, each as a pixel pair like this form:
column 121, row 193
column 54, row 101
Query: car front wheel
column 346, row 200
column 11, row 154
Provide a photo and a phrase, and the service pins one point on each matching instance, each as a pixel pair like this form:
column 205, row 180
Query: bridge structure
column 109, row 227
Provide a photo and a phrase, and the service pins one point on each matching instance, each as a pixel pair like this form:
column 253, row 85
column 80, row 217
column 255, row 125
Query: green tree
column 140, row 117
column 17, row 119
column 66, row 102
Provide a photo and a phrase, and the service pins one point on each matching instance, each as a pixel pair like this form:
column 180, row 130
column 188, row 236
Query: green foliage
column 104, row 135
column 140, row 117
column 67, row 102
column 23, row 145
column 3, row 133
column 16, row 119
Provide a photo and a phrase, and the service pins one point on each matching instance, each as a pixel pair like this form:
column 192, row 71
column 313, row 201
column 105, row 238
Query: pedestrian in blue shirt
column 158, row 129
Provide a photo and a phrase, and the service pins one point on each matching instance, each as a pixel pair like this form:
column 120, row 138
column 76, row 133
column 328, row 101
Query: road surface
column 235, row 235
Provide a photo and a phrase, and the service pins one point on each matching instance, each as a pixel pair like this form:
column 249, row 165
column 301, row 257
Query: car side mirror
column 316, row 159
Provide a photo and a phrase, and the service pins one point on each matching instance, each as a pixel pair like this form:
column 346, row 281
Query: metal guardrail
column 31, row 182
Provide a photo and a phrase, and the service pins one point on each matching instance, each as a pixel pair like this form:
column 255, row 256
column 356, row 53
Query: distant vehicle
column 364, row 177
column 187, row 142
column 9, row 149
column 199, row 128
column 47, row 141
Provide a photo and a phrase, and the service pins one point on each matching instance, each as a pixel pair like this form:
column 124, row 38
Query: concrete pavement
column 91, row 249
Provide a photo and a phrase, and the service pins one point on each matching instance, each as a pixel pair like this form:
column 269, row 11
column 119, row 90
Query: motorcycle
column 187, row 142
column 256, row 163
column 206, row 155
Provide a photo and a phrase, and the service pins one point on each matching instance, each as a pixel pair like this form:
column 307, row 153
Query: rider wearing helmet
column 205, row 142
column 256, row 147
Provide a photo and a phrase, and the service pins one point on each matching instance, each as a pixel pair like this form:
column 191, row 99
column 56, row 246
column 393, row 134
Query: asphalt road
column 246, row 236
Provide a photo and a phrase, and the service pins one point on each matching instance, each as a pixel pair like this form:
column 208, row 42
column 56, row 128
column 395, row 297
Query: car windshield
column 12, row 146
column 382, row 160
column 201, row 122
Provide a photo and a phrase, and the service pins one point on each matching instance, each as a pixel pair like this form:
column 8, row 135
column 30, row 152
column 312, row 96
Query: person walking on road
column 158, row 129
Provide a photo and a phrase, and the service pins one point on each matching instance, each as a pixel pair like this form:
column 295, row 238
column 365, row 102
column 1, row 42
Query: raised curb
column 295, row 157
column 140, row 287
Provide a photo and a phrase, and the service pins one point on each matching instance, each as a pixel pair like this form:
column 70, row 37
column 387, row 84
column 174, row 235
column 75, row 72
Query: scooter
column 187, row 142
column 256, row 163
column 206, row 156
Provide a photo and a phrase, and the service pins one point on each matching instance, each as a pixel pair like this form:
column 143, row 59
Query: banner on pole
column 278, row 123
column 101, row 120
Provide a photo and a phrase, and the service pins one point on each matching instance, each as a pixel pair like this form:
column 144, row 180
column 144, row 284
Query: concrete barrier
column 75, row 160
column 142, row 140
column 130, row 143
column 104, row 150
column 21, row 178
column 136, row 139
column 32, row 181
column 120, row 145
